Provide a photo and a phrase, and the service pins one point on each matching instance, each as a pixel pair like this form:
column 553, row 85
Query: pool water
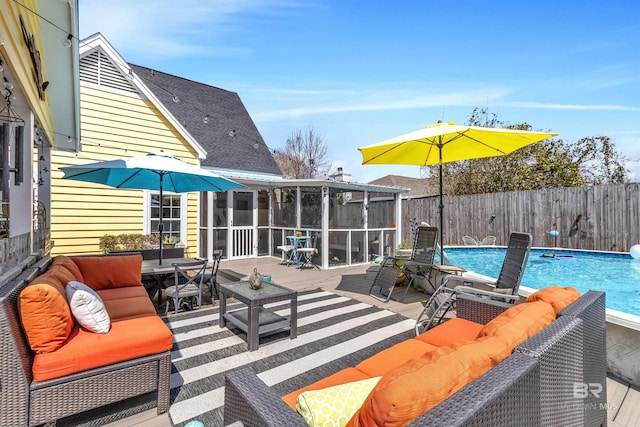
column 617, row 274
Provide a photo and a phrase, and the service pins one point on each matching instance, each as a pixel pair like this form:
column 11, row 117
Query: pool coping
column 613, row 316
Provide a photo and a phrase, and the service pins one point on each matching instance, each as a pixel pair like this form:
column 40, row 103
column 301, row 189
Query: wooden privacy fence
column 603, row 217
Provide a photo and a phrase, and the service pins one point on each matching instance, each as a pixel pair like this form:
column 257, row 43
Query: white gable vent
column 96, row 68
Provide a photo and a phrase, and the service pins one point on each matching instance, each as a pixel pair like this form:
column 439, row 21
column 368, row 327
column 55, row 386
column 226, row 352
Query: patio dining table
column 297, row 242
column 160, row 273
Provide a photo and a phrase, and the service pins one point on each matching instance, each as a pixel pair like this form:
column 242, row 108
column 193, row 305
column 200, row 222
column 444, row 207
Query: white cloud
column 147, row 28
column 575, row 107
column 380, row 101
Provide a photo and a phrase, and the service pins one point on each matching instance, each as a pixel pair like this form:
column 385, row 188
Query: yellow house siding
column 192, row 224
column 113, row 126
column 14, row 49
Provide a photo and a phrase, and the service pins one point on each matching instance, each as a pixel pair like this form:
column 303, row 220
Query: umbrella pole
column 160, row 224
column 441, row 207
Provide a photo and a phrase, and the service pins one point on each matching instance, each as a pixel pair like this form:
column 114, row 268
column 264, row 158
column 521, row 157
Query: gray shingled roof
column 230, row 138
column 417, row 186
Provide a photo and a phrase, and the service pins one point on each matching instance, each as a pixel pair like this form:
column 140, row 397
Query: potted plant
column 169, row 241
column 148, row 245
column 404, row 250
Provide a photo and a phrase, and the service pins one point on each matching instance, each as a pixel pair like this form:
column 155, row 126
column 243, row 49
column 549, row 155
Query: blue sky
column 360, row 72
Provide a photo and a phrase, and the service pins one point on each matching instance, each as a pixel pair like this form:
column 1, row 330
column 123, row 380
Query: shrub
column 128, row 242
column 108, row 243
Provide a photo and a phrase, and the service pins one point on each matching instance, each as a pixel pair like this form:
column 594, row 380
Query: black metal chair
column 188, row 281
column 211, row 274
column 505, row 288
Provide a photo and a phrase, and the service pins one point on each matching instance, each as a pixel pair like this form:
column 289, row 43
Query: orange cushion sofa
column 521, row 365
column 67, row 368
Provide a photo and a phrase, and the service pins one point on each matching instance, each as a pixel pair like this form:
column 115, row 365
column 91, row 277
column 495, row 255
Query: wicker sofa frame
column 536, row 385
column 25, row 402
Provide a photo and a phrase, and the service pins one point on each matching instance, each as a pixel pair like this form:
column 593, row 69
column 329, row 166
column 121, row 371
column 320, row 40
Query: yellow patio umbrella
column 447, row 142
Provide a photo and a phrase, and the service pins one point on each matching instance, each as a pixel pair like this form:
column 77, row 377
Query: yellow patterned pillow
column 334, row 406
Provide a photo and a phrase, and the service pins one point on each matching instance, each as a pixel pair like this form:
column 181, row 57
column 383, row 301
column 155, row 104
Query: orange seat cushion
column 452, row 332
column 392, row 357
column 405, row 393
column 558, row 297
column 110, row 271
column 341, row 377
column 44, row 313
column 127, row 339
column 520, row 322
column 68, row 263
column 127, row 302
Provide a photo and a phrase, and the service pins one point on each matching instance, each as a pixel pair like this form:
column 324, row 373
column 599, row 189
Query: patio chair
column 306, row 254
column 488, row 241
column 504, row 289
column 188, row 281
column 286, row 253
column 211, row 275
column 385, row 280
column 422, row 256
column 419, row 264
column 469, row 241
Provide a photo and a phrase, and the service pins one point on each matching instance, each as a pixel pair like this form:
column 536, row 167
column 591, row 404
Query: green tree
column 304, row 155
column 548, row 164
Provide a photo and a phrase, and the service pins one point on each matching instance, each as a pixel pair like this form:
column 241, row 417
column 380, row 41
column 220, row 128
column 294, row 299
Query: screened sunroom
column 348, row 223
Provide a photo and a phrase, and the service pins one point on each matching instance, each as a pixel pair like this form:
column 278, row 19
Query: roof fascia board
column 235, row 173
column 318, row 183
column 97, row 40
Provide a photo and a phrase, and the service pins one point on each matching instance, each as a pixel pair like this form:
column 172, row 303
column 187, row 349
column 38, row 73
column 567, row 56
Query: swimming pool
column 617, row 274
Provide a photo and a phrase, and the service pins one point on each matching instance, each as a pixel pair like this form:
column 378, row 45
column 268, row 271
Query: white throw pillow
column 87, row 307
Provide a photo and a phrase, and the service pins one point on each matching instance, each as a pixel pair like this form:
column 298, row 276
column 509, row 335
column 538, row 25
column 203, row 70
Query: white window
column 174, row 215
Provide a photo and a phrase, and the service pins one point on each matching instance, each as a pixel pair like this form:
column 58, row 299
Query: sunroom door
column 243, row 224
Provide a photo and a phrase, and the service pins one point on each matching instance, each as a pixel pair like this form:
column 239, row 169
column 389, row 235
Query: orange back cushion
column 61, row 273
column 519, row 323
column 452, row 332
column 110, row 271
column 394, row 356
column 414, row 388
column 558, row 297
column 44, row 313
column 67, row 263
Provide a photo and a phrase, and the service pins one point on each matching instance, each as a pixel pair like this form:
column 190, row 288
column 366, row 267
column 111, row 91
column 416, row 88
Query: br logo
column 583, row 390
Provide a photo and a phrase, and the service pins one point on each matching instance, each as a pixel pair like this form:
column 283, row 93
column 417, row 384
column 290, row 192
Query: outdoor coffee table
column 256, row 320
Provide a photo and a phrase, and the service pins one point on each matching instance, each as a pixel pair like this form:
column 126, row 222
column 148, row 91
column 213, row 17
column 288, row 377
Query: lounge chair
column 385, row 280
column 421, row 261
column 504, row 289
column 422, row 258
